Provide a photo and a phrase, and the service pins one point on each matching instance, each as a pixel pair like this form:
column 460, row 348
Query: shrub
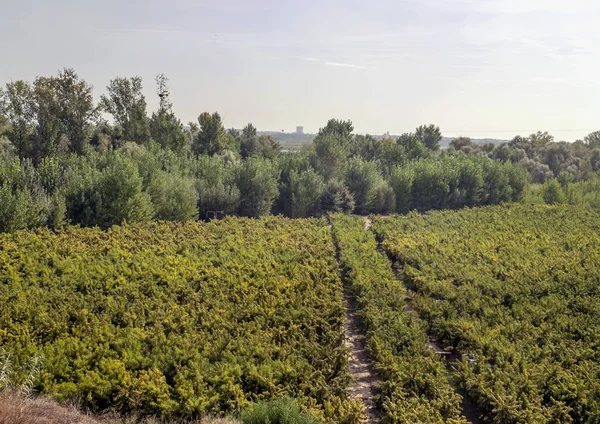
column 174, row 197
column 109, row 196
column 337, row 198
column 401, row 182
column 362, row 179
column 217, row 196
column 306, row 191
column 256, row 179
column 278, row 411
column 552, row 192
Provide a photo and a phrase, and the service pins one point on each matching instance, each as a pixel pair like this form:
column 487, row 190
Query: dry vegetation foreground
column 18, row 409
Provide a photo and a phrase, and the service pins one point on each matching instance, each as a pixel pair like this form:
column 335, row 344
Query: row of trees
column 57, row 114
column 541, row 155
column 62, row 162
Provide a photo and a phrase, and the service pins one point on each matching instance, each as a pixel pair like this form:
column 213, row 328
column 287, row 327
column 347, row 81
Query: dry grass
column 18, row 409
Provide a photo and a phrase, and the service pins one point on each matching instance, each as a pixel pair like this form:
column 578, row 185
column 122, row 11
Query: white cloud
column 346, row 65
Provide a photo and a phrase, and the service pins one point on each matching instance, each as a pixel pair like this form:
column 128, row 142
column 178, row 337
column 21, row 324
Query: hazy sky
column 480, row 68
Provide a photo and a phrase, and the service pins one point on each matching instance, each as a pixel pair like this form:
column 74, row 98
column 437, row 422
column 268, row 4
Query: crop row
column 180, row 319
column 415, row 386
column 517, row 289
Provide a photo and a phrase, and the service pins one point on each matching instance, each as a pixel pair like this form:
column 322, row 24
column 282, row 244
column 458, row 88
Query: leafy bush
column 306, row 191
column 179, row 319
column 256, row 180
column 552, row 192
column 278, row 411
column 337, row 198
column 415, row 385
column 515, row 287
column 107, row 196
column 174, row 197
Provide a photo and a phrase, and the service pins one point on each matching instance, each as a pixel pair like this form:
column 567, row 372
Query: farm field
column 183, row 320
column 415, row 385
column 516, row 290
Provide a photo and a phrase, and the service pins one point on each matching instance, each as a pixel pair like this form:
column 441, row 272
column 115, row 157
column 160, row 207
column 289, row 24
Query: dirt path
column 368, row 222
column 366, row 381
column 469, row 410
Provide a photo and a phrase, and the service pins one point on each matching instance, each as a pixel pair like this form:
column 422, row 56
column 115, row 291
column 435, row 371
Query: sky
column 479, row 68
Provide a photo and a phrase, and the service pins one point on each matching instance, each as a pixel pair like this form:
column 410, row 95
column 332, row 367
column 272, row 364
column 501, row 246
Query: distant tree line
column 62, row 163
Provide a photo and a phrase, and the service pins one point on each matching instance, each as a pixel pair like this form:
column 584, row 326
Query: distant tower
column 299, row 130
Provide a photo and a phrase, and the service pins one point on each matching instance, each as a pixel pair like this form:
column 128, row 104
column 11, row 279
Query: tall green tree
column 461, row 143
column 268, row 147
column 165, row 128
column 338, row 128
column 75, row 109
column 430, row 136
column 413, row 146
column 49, row 131
column 126, row 103
column 256, row 180
column 249, row 141
column 17, row 105
column 592, row 139
column 211, row 136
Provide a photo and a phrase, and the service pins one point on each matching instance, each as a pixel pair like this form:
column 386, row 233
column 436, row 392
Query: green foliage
column 126, row 103
column 256, row 180
column 75, row 108
column 108, row 196
column 401, row 181
column 7, row 150
column 461, row 144
column 179, row 320
column 592, row 139
column 217, row 196
column 306, row 189
column 331, row 155
column 430, row 136
column 277, row 411
column 413, row 146
column 362, row 179
column 17, row 104
column 415, row 385
column 337, row 198
column 174, row 197
column 20, row 209
column 23, row 202
column 168, row 131
column 268, row 147
column 210, row 139
column 552, row 193
column 516, row 287
column 248, row 141
column 337, row 128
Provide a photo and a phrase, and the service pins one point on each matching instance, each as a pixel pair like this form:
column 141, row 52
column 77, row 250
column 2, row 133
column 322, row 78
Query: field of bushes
column 178, row 319
column 415, row 385
column 516, row 290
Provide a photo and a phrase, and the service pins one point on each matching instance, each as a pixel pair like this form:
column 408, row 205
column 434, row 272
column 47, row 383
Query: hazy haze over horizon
column 493, row 68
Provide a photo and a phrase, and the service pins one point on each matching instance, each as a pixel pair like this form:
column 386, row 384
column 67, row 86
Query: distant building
column 299, row 130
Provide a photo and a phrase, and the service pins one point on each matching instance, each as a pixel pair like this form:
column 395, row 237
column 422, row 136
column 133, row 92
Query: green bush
column 277, row 411
column 552, row 192
column 173, row 197
column 107, row 194
column 306, row 190
column 256, row 179
column 337, row 198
